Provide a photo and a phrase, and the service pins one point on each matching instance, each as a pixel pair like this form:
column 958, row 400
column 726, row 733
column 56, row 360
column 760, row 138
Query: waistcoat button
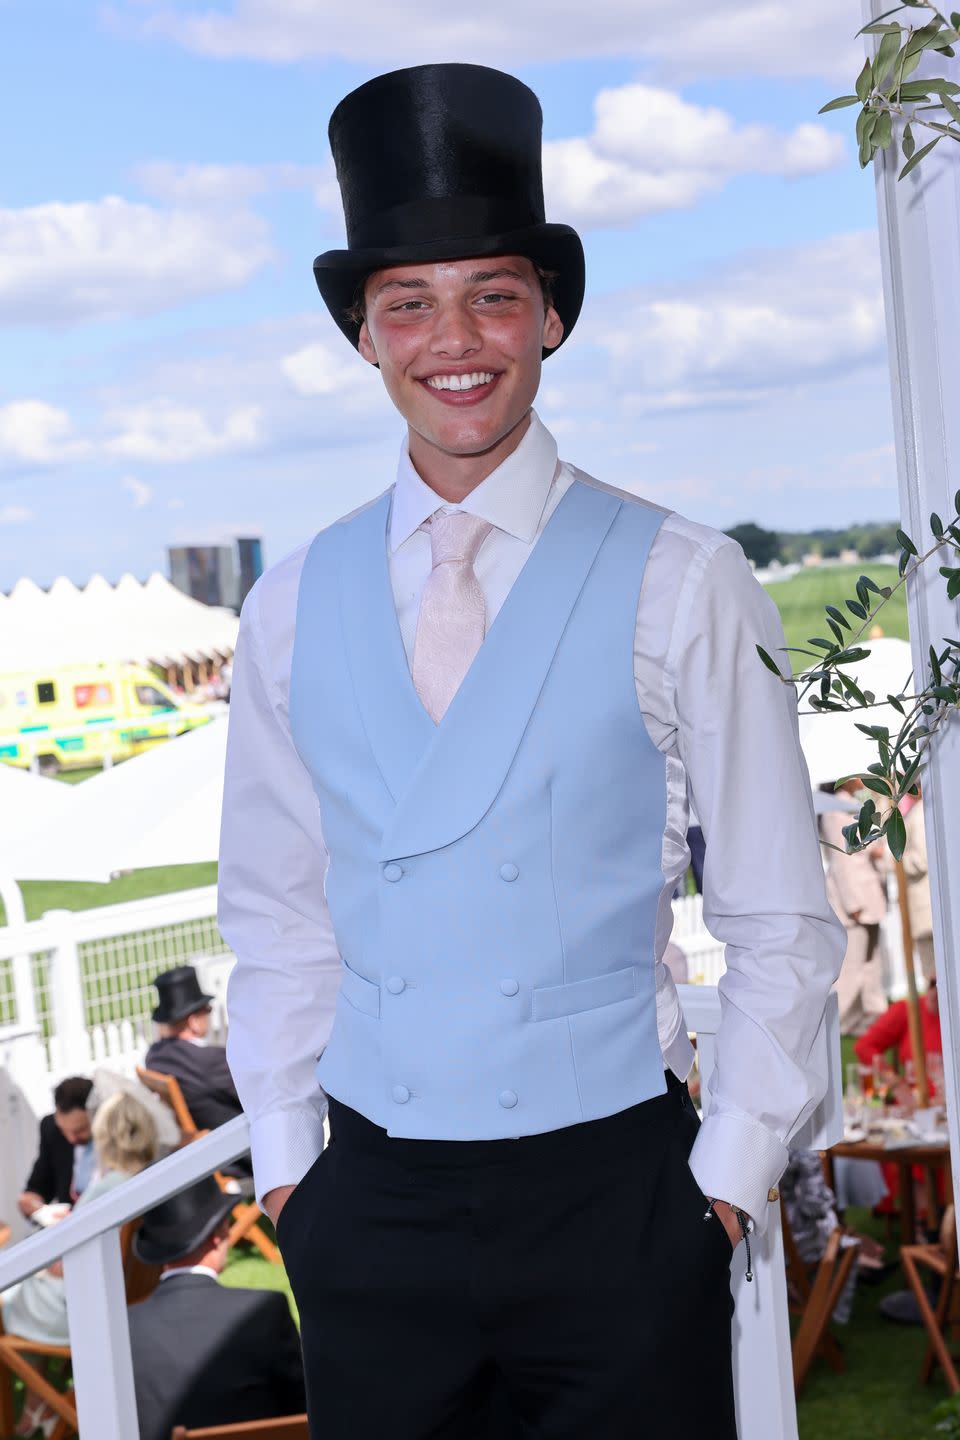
column 507, row 1098
column 392, row 872
column 509, row 987
column 401, row 1094
column 396, row 984
column 509, row 871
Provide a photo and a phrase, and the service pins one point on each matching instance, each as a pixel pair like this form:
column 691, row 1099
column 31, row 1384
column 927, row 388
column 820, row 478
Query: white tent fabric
column 152, row 622
column 160, row 808
column 832, row 744
column 32, row 805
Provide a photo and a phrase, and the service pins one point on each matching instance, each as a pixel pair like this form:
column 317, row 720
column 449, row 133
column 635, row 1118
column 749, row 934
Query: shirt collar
column 511, row 498
column 189, row 1270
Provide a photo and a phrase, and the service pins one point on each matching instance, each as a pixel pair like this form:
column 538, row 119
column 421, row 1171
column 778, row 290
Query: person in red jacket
column 892, row 1028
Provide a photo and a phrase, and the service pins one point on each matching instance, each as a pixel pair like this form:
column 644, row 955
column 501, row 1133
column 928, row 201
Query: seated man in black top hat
column 182, row 1051
column 64, row 1161
column 204, row 1353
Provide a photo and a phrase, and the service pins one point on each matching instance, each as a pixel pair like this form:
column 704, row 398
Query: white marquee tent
column 160, row 808
column 146, row 623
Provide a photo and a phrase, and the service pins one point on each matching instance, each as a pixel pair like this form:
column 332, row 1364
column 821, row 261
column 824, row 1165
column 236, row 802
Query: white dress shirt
column 728, row 731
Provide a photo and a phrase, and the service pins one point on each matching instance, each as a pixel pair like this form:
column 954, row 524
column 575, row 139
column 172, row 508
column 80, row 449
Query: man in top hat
column 182, row 1049
column 465, row 723
column 204, row 1353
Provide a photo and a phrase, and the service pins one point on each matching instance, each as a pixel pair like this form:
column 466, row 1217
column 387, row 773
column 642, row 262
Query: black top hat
column 442, row 162
column 181, row 1224
column 180, row 995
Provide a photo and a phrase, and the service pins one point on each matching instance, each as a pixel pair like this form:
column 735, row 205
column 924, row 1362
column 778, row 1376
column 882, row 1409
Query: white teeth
column 460, row 382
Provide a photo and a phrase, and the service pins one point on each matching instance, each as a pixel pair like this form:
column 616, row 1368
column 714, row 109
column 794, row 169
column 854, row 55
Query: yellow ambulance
column 82, row 716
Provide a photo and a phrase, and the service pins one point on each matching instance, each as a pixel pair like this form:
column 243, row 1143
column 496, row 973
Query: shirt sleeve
column 273, row 914
column 763, row 886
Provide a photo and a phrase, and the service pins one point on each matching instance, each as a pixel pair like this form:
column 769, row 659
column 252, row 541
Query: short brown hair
column 357, row 312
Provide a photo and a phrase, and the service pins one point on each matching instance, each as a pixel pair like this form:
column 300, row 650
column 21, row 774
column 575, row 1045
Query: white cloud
column 164, row 432
column 15, row 515
column 67, row 262
column 199, row 186
column 651, row 150
column 773, row 319
column 35, row 433
column 140, row 492
column 771, row 37
column 319, row 369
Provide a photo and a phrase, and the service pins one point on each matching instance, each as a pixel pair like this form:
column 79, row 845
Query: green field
column 801, row 599
column 42, row 895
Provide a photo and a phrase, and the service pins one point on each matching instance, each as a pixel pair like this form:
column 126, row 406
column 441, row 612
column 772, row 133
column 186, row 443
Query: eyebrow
column 478, row 277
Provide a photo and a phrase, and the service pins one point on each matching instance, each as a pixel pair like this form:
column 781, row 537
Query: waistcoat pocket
column 362, row 994
column 551, row 1002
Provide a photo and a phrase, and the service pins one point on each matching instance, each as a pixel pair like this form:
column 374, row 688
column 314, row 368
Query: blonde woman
column 125, row 1142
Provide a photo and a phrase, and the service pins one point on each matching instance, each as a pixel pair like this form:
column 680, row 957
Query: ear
column 552, row 329
column 366, row 346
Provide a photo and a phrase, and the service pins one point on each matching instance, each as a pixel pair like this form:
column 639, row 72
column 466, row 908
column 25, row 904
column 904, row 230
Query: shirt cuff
column 740, row 1161
column 284, row 1144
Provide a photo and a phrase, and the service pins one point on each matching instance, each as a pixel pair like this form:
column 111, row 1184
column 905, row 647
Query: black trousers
column 550, row 1287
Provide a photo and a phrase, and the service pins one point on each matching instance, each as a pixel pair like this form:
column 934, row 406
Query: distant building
column 217, row 574
column 849, row 557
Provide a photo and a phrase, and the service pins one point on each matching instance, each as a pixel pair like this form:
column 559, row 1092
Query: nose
column 455, row 333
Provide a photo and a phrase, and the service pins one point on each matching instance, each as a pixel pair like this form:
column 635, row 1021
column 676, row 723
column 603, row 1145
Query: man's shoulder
column 684, row 537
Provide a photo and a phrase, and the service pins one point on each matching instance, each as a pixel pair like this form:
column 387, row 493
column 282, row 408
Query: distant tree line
column 763, row 547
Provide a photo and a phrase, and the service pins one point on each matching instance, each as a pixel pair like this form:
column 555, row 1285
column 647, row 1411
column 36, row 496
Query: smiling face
column 459, row 347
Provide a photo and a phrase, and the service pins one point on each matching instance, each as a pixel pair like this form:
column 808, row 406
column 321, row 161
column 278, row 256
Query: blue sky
column 169, row 372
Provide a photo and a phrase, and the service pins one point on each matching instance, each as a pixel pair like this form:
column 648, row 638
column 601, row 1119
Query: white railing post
column 12, row 897
column 920, row 260
column 100, row 1339
column 66, row 994
column 762, row 1360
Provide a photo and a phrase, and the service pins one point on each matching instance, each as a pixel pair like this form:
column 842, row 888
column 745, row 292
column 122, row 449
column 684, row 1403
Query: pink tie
column 452, row 620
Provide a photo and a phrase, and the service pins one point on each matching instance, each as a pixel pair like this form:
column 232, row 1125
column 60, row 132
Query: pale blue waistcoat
column 493, row 881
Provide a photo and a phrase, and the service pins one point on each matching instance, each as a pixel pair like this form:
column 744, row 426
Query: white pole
column 100, row 1339
column 920, row 252
column 66, row 994
column 12, row 897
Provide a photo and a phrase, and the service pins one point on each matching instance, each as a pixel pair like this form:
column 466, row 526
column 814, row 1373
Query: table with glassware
column 884, row 1124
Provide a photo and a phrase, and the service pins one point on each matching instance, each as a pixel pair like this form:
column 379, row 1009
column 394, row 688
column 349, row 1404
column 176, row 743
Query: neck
column 453, row 477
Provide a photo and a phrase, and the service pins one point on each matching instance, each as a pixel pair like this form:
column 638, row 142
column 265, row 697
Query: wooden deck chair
column 941, row 1258
column 27, row 1359
column 814, row 1292
column 246, row 1214
column 290, row 1427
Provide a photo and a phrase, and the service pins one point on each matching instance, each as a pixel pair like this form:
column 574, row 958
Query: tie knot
column 457, row 537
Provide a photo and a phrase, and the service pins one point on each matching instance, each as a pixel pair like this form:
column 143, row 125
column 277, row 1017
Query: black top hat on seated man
column 442, row 162
column 180, row 995
column 180, row 1225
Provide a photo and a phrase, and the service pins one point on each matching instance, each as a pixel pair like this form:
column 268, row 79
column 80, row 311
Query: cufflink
column 773, row 1193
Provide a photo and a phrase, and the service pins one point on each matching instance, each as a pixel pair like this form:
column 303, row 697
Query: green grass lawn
column 42, row 895
column 880, row 1396
column 801, row 599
